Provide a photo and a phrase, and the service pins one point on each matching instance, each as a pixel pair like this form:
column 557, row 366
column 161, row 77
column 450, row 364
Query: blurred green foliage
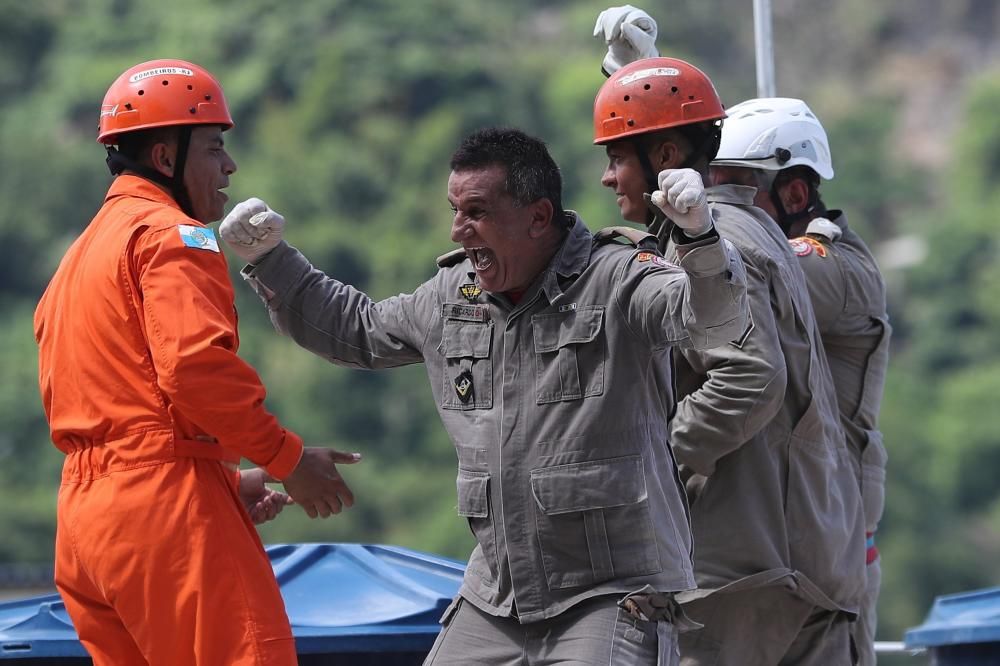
column 346, row 116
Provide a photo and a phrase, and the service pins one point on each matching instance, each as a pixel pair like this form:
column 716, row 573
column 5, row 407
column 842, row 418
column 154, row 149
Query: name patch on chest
column 462, row 312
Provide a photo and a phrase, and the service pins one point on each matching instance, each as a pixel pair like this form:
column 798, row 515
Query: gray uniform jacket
column 774, row 495
column 848, row 296
column 556, row 406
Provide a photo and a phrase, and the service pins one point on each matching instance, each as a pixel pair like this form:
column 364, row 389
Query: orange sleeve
column 190, row 320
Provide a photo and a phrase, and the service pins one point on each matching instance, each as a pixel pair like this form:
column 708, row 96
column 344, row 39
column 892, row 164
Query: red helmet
column 161, row 93
column 653, row 94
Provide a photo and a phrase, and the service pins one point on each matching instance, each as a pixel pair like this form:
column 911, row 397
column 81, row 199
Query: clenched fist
column 251, row 230
column 682, row 198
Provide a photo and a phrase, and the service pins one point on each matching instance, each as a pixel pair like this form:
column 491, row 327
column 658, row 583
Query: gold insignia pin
column 470, row 291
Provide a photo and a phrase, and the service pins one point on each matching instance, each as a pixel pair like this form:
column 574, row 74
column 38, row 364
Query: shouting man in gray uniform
column 778, row 146
column 775, row 502
column 546, row 348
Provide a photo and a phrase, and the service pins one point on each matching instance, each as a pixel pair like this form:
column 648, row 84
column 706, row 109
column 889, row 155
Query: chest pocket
column 468, row 372
column 570, row 352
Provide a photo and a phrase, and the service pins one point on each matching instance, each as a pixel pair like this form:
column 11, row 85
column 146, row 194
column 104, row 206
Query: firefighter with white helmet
column 779, row 146
column 771, row 136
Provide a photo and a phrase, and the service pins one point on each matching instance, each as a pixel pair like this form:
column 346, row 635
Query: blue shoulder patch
column 201, row 238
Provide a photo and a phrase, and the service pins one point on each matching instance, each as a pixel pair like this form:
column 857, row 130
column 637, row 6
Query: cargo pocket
column 873, row 461
column 593, row 522
column 570, row 350
column 468, row 371
column 474, row 504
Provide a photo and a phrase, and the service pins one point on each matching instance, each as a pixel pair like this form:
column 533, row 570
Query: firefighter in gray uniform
column 775, row 501
column 546, row 348
column 779, row 146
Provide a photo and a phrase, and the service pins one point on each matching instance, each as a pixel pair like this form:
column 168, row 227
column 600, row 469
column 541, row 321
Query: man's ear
column 541, row 217
column 794, row 195
column 666, row 154
column 162, row 156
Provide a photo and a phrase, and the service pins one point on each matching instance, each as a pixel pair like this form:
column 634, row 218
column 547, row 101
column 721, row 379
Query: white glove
column 630, row 34
column 251, row 230
column 682, row 198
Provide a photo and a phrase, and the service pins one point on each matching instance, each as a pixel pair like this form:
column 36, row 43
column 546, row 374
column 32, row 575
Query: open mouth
column 482, row 258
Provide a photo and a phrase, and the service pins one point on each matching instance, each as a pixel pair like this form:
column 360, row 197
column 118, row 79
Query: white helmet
column 774, row 133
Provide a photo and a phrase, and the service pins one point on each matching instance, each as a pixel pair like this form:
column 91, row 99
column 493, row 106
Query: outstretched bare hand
column 316, row 485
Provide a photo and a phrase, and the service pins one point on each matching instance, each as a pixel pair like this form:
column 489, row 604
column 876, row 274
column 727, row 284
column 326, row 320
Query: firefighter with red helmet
column 157, row 557
column 775, row 505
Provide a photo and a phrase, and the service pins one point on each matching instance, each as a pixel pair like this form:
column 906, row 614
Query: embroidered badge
column 817, row 245
column 804, row 245
column 471, row 292
column 800, row 247
column 201, row 238
column 463, row 386
column 643, row 257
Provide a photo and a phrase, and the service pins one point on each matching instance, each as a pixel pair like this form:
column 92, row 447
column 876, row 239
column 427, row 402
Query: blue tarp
column 340, row 598
column 960, row 619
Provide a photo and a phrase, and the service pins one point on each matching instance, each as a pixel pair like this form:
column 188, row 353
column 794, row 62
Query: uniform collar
column 135, row 186
column 570, row 260
column 741, row 195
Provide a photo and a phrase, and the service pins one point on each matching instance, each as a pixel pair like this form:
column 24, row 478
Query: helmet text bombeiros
column 159, row 71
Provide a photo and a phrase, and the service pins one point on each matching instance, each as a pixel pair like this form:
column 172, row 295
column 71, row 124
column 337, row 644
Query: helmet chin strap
column 647, row 171
column 118, row 163
column 708, row 144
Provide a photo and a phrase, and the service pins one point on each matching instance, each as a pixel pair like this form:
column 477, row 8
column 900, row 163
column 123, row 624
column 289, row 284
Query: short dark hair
column 136, row 145
column 532, row 174
column 702, row 140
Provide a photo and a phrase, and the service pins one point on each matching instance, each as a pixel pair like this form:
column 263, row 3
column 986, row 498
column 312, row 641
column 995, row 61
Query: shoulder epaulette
column 633, row 236
column 451, row 258
column 824, row 228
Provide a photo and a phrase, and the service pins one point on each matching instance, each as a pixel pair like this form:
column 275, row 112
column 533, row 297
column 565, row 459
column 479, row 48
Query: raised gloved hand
column 682, row 198
column 630, row 34
column 251, row 230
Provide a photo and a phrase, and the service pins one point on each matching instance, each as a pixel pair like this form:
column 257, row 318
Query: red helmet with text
column 161, row 93
column 654, row 94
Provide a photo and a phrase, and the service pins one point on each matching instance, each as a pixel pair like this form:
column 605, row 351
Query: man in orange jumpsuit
column 157, row 558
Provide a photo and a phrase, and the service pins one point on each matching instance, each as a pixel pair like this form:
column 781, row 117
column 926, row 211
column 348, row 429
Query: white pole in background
column 764, row 45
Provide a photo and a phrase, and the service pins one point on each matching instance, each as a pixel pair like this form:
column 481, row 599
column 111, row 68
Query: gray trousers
column 593, row 633
column 767, row 626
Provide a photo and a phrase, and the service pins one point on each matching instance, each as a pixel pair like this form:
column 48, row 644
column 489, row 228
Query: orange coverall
column 157, row 560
